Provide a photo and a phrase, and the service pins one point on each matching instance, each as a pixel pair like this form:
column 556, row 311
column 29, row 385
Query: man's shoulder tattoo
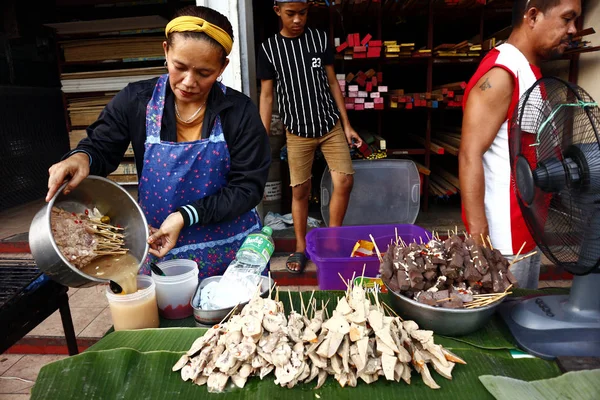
column 485, row 85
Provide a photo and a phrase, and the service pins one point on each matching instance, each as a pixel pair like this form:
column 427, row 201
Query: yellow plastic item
column 362, row 248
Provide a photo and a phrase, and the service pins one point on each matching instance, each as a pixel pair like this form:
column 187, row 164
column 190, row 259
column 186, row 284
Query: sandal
column 296, row 258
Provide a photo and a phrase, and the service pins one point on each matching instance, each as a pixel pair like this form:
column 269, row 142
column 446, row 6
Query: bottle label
column 260, row 244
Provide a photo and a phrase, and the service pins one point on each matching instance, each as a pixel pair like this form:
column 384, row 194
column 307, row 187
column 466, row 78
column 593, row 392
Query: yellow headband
column 195, row 24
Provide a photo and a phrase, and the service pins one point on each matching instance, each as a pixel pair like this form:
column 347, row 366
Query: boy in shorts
column 312, row 107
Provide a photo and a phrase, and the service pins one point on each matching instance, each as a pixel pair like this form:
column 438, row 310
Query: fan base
column 552, row 326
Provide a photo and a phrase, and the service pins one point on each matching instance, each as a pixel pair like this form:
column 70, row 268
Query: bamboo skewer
column 230, row 313
column 490, row 242
column 517, row 256
column 488, row 298
column 343, row 280
column 291, row 303
column 270, row 286
column 302, row 311
column 376, row 248
column 524, row 257
column 391, row 310
column 362, row 277
column 309, row 303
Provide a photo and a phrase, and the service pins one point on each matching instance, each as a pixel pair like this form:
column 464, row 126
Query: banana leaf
column 494, row 336
column 580, row 385
column 137, row 364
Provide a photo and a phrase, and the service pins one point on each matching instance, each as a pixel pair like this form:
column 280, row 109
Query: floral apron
column 174, row 174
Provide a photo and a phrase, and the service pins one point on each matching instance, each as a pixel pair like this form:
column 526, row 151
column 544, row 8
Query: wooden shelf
column 403, row 152
column 567, row 54
column 457, row 60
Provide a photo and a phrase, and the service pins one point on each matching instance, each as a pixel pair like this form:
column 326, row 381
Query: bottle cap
column 267, row 230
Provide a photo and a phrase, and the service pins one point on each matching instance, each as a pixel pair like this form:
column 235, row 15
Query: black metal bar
column 67, row 322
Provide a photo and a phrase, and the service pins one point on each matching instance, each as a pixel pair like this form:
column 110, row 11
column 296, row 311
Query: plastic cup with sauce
column 136, row 310
column 174, row 291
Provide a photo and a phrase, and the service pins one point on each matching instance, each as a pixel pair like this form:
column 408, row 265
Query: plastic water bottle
column 241, row 278
column 254, row 254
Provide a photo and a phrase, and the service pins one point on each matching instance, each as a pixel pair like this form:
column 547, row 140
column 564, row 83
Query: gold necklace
column 190, row 118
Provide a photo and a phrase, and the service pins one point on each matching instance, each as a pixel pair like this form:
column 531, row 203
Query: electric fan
column 555, row 163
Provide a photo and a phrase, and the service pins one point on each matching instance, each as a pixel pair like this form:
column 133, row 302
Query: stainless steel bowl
column 205, row 318
column 94, row 191
column 444, row 321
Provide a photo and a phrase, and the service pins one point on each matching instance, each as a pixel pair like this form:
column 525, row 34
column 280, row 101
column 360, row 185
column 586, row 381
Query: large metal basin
column 212, row 317
column 444, row 321
column 94, row 191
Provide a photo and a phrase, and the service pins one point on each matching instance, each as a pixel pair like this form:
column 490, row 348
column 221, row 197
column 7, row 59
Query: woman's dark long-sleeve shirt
column 124, row 121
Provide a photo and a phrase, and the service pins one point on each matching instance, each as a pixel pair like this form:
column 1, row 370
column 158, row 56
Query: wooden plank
column 432, row 146
column 456, row 86
column 448, row 139
column 440, row 189
column 447, row 147
column 450, row 189
column 435, row 191
column 422, row 169
column 449, row 177
column 584, row 32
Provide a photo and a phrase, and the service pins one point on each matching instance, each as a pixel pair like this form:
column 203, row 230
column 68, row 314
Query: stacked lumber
column 99, row 88
column 448, row 139
column 75, row 136
column 110, row 80
column 83, row 111
column 126, row 172
column 356, row 47
column 114, row 26
column 393, row 49
column 440, row 184
column 433, row 147
column 126, row 49
column 578, row 45
column 462, row 49
column 449, row 96
column 363, row 90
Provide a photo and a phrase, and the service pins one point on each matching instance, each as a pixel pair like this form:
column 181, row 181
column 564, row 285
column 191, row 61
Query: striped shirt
column 297, row 65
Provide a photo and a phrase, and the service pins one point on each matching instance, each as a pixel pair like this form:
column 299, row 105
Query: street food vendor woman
column 201, row 150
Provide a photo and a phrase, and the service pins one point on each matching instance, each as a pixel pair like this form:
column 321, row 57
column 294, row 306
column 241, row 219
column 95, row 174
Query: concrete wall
column 589, row 63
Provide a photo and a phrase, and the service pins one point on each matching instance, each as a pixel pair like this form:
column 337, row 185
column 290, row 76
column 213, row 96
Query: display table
column 137, row 364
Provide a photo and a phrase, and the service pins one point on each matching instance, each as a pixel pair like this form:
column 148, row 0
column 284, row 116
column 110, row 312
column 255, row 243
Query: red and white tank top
column 507, row 227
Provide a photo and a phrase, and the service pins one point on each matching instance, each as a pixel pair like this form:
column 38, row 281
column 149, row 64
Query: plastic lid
column 267, row 230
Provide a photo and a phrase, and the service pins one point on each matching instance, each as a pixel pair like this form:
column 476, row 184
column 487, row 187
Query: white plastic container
column 136, row 310
column 175, row 290
column 385, row 192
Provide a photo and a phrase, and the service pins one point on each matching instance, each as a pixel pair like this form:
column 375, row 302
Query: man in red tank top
column 541, row 31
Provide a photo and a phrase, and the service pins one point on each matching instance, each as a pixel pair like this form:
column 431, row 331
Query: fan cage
column 555, row 120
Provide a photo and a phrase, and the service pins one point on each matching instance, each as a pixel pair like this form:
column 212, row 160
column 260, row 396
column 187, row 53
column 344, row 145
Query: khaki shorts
column 301, row 153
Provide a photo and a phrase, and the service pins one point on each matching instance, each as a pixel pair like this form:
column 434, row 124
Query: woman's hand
column 76, row 166
column 351, row 134
column 162, row 240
